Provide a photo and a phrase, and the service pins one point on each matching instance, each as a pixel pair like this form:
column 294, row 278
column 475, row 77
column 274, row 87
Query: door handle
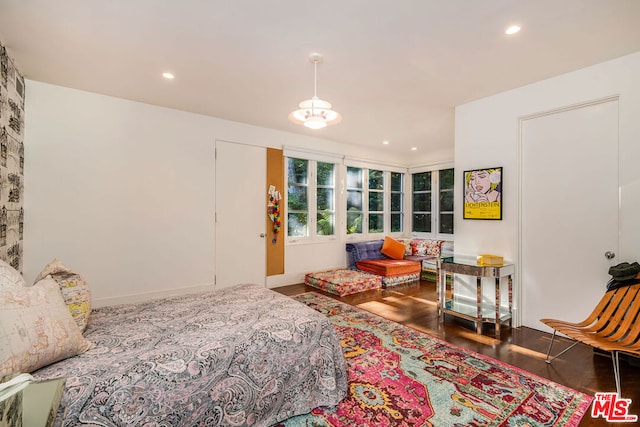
column 609, row 255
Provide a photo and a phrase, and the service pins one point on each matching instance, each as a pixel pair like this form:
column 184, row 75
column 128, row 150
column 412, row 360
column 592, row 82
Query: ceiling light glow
column 512, row 29
column 168, row 76
column 385, row 142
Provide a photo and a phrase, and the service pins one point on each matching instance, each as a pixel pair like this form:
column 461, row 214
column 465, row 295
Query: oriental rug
column 402, row 377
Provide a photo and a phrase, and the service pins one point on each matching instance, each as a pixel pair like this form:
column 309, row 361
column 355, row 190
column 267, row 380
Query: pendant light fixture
column 315, row 113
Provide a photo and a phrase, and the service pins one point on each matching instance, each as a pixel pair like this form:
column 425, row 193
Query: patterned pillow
column 426, row 247
column 407, row 246
column 36, row 328
column 9, row 276
column 74, row 288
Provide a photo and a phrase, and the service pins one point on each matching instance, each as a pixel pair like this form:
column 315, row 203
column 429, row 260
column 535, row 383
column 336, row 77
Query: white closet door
column 240, row 214
column 569, row 210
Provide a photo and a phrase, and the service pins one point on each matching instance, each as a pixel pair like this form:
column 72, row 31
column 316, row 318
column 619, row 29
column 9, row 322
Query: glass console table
column 478, row 311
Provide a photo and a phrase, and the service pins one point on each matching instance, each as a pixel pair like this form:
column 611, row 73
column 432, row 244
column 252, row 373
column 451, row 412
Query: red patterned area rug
column 402, row 377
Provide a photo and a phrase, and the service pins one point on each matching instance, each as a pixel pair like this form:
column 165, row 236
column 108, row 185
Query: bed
column 240, row 356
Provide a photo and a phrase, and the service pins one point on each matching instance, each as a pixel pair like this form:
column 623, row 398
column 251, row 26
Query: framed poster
column 483, row 194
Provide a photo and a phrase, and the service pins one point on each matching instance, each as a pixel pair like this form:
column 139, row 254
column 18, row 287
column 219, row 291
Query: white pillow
column 9, row 276
column 36, row 328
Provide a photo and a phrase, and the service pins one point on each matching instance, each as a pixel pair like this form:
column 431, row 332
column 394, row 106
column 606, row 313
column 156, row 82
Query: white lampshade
column 315, row 113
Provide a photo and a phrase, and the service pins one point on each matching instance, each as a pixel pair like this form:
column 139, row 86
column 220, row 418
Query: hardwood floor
column 580, row 368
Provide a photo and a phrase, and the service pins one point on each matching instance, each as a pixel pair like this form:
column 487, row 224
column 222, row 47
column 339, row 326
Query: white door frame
column 518, row 291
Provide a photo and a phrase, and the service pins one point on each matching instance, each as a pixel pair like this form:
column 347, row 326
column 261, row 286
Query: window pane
column 354, row 200
column 396, row 181
column 297, row 171
column 376, row 201
column 396, row 222
column 446, row 179
column 325, row 224
column 396, row 202
column 422, row 202
column 422, row 181
column 376, row 181
column 297, row 224
column 446, row 201
column 297, row 198
column 422, row 223
column 325, row 199
column 376, row 223
column 325, row 174
column 446, row 223
column 354, row 222
column 354, row 178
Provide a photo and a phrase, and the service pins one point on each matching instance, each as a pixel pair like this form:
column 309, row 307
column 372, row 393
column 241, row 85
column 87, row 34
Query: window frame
column 435, row 201
column 307, row 187
column 312, row 200
column 386, row 170
column 402, row 192
column 340, row 195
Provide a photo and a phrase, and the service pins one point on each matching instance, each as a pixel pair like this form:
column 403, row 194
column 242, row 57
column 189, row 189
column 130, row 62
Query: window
column 422, row 202
column 325, row 199
column 310, row 198
column 297, row 197
column 375, row 201
column 445, row 201
column 355, row 197
column 433, row 202
column 397, row 202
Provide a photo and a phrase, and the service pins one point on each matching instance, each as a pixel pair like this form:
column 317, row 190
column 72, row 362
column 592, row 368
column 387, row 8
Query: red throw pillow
column 392, row 248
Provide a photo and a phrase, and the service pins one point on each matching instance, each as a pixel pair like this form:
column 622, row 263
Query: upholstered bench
column 392, row 271
column 411, row 257
column 343, row 281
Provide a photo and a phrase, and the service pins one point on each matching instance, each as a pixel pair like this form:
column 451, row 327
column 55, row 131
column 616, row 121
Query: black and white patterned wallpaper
column 11, row 160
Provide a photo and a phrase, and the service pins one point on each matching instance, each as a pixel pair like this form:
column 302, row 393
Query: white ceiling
column 395, row 69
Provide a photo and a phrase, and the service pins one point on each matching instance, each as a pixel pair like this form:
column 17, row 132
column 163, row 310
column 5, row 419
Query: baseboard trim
column 147, row 296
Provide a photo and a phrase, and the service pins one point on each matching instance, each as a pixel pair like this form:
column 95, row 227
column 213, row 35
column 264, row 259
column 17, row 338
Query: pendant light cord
column 315, row 77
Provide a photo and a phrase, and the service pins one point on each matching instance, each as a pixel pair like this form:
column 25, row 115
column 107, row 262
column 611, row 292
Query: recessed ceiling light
column 168, row 76
column 385, row 142
column 512, row 29
column 414, row 148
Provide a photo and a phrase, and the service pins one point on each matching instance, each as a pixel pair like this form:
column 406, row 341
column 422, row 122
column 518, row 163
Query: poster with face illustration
column 483, row 194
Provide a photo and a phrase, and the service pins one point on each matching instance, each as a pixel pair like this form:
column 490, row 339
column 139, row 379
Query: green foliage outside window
column 354, row 200
column 325, row 199
column 354, row 222
column 446, row 178
column 397, row 207
column 433, row 203
column 325, row 224
column 297, row 197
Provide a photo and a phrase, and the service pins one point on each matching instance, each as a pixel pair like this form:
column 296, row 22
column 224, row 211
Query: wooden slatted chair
column 613, row 326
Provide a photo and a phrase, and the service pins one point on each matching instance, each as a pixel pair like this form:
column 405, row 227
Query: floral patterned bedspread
column 240, row 356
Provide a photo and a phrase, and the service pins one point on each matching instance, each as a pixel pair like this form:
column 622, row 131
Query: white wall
column 487, row 136
column 123, row 192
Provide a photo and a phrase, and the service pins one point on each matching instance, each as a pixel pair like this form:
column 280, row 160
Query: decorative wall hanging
column 12, row 94
column 273, row 210
column 483, row 194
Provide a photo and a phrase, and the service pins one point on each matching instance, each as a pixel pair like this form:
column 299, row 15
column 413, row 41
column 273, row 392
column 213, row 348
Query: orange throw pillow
column 392, row 248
